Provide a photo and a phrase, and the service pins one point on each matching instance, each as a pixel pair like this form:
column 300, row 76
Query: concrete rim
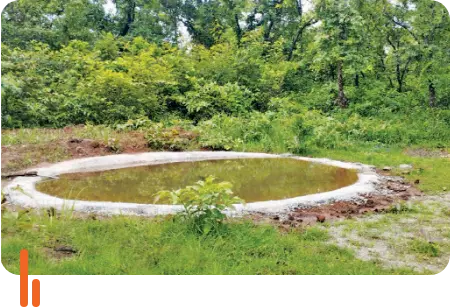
column 21, row 191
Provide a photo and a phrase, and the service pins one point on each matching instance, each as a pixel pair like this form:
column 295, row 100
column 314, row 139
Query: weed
column 203, row 204
column 399, row 208
column 424, row 248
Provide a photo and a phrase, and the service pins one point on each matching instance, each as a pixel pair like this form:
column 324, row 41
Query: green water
column 252, row 179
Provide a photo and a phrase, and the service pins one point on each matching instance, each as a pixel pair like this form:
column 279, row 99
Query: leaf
column 206, row 229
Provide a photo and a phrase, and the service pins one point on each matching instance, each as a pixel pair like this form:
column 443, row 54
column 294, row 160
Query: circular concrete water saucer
column 21, row 191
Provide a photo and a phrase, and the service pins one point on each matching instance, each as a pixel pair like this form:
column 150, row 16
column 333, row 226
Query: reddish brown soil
column 392, row 191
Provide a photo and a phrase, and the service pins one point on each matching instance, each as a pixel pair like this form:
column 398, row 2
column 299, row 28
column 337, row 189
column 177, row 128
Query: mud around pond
column 389, row 192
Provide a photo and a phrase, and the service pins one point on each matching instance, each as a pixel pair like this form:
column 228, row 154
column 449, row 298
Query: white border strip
column 21, row 191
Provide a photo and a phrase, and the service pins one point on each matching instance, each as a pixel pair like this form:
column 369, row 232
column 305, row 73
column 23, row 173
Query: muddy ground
column 390, row 191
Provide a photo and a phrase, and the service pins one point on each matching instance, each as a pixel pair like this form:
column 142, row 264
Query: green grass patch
column 132, row 245
column 424, row 248
column 431, row 172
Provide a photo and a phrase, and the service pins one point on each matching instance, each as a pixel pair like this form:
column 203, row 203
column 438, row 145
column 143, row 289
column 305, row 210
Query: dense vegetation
column 324, row 73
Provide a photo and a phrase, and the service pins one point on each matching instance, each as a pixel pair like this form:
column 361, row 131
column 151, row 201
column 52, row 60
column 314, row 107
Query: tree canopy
column 72, row 61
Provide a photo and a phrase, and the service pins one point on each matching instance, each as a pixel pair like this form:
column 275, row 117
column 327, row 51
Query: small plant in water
column 203, row 203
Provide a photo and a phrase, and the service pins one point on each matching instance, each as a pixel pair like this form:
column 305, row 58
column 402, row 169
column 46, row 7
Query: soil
column 20, row 157
column 393, row 190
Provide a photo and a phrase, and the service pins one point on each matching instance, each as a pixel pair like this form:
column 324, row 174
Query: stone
column 321, row 218
column 387, row 168
column 405, row 166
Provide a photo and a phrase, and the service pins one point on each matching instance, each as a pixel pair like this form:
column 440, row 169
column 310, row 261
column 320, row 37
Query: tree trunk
column 341, row 101
column 432, row 94
column 238, row 29
column 130, row 19
column 357, row 80
column 268, row 30
column 294, row 44
column 399, row 78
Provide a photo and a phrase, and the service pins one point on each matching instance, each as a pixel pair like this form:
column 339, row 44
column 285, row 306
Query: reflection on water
column 252, row 179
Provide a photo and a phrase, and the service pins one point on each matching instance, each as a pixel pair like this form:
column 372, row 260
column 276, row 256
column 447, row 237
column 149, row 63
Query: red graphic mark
column 35, row 286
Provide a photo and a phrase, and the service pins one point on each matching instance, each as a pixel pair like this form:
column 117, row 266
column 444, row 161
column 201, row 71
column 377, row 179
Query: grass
column 133, row 245
column 432, row 172
column 43, row 136
column 425, row 248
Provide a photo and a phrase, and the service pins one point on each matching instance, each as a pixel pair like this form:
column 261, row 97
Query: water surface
column 252, row 179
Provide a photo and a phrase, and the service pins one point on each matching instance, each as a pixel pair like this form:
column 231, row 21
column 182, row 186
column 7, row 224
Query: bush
column 203, row 204
column 134, row 124
column 207, row 99
column 216, row 133
column 173, row 138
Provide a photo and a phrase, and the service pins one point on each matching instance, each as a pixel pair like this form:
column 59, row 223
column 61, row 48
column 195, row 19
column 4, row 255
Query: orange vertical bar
column 36, row 293
column 23, row 278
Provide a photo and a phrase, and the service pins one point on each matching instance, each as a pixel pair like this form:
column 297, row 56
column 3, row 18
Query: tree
column 340, row 40
column 430, row 27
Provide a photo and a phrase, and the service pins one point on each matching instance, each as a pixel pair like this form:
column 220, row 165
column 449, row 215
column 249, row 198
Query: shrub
column 203, row 203
column 134, row 124
column 169, row 138
column 217, row 133
column 208, row 99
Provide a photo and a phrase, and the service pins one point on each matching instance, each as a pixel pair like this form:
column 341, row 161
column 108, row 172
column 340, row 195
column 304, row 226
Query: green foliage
column 161, row 136
column 204, row 204
column 205, row 100
column 214, row 134
column 134, row 124
column 247, row 82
